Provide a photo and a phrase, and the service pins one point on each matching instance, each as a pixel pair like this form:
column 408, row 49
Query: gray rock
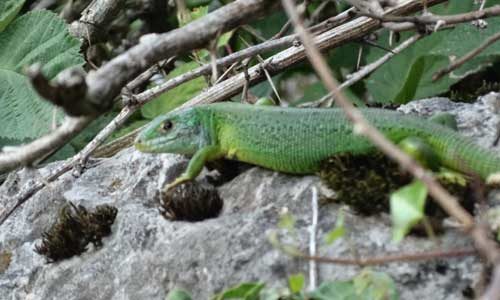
column 146, row 255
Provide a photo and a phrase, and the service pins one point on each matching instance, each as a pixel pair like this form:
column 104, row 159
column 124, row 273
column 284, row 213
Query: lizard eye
column 167, row 125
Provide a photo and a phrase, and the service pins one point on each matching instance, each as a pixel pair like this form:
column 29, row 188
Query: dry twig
column 449, row 203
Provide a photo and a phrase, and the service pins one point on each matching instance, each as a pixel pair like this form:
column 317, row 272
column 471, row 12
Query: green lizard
column 298, row 140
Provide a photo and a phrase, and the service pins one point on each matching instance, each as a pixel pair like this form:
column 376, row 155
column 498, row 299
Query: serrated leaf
column 178, row 294
column 296, row 283
column 176, row 96
column 36, row 37
column 407, row 208
column 8, row 11
column 244, row 291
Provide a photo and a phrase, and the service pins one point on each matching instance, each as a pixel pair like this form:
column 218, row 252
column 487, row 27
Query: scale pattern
column 297, row 140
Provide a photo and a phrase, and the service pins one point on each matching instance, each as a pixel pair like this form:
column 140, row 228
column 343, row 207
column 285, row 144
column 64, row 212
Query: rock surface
column 146, row 255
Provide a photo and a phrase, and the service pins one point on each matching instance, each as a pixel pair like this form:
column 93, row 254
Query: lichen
column 74, row 229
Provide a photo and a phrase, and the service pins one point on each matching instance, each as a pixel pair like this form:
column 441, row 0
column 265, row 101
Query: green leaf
column 286, row 221
column 407, row 208
column 222, row 41
column 335, row 290
column 296, row 283
column 176, row 96
column 178, row 294
column 270, row 25
column 313, row 92
column 408, row 75
column 379, row 286
column 366, row 286
column 337, row 232
column 8, row 11
column 196, row 3
column 42, row 37
column 244, row 291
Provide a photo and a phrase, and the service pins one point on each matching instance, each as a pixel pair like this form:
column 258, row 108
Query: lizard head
column 178, row 132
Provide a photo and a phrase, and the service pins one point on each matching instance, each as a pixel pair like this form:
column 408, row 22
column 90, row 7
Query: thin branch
column 327, row 100
column 193, row 35
column 335, row 37
column 490, row 250
column 393, row 258
column 105, row 83
column 232, row 86
column 429, row 19
column 459, row 62
column 328, row 39
column 361, row 125
column 25, row 154
column 222, row 62
column 91, row 27
column 483, row 244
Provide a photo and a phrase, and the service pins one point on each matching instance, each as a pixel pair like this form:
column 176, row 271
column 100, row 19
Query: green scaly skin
column 298, row 140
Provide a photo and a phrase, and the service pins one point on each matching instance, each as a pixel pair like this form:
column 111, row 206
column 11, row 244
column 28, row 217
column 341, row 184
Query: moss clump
column 366, row 181
column 74, row 229
column 191, row 201
column 363, row 181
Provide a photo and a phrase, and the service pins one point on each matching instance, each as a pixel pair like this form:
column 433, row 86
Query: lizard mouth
column 152, row 145
column 142, row 146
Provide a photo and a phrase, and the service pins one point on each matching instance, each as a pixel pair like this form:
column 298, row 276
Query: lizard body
column 298, row 140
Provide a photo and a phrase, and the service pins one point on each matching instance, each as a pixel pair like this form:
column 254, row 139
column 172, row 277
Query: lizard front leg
column 196, row 164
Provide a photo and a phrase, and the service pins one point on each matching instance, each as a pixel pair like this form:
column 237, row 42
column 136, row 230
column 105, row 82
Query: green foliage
column 178, row 294
column 36, row 37
column 368, row 285
column 176, row 96
column 270, row 25
column 8, row 11
column 407, row 208
column 244, row 291
column 408, row 75
column 296, row 283
column 337, row 232
column 287, row 221
column 196, row 3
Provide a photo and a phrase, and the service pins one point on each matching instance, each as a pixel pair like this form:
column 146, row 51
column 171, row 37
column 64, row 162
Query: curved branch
column 25, row 154
column 105, row 83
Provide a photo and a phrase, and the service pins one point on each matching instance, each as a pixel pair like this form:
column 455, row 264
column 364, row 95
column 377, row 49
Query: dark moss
column 74, row 229
column 365, row 182
column 191, row 201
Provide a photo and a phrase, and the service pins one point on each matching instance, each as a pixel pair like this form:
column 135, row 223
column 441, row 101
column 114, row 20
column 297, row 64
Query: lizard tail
column 464, row 155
